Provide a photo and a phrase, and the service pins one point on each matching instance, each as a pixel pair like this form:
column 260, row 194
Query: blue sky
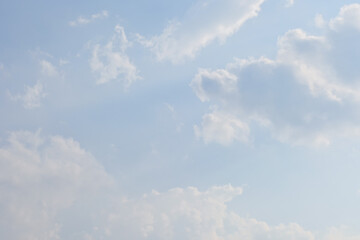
column 201, row 119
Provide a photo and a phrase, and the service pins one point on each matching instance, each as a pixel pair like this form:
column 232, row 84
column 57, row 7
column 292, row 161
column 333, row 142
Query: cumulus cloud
column 349, row 17
column 51, row 188
column 203, row 23
column 86, row 20
column 110, row 62
column 40, row 176
column 32, row 96
column 187, row 213
column 307, row 95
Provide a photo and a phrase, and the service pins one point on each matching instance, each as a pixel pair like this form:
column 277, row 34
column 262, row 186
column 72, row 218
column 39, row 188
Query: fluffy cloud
column 307, row 95
column 51, row 188
column 191, row 214
column 40, row 177
column 83, row 20
column 204, row 22
column 349, row 17
column 110, row 62
column 32, row 96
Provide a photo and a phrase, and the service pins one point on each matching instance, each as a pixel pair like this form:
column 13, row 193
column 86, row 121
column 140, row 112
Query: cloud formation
column 32, row 96
column 187, row 213
column 203, row 23
column 39, row 178
column 110, row 62
column 86, row 20
column 307, row 95
column 51, row 188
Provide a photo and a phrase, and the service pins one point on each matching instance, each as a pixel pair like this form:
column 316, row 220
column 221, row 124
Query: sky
column 193, row 119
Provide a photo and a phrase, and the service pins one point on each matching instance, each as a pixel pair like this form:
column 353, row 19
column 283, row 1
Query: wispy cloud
column 289, row 3
column 222, row 128
column 32, row 96
column 175, row 117
column 204, row 22
column 48, row 69
column 110, row 62
column 86, row 20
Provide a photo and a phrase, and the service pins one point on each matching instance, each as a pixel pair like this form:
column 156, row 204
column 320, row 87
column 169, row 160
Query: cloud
column 222, row 128
column 343, row 233
column 51, row 188
column 48, row 69
column 1, row 66
column 289, row 3
column 110, row 62
column 41, row 176
column 349, row 17
column 32, row 96
column 83, row 20
column 307, row 95
column 187, row 213
column 203, row 23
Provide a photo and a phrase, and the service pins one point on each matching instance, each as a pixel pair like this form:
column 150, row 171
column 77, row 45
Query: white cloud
column 110, row 62
column 32, row 96
column 289, row 3
column 349, row 16
column 203, row 23
column 40, row 177
column 222, row 128
column 51, row 188
column 307, row 95
column 187, row 213
column 83, row 20
column 48, row 69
